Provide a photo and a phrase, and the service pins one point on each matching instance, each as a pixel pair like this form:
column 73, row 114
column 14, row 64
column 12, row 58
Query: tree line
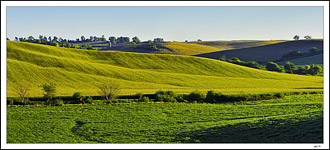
column 55, row 41
column 59, row 41
column 109, row 94
column 289, row 67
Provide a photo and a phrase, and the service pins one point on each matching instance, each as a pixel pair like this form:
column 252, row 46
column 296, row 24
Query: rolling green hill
column 76, row 70
column 180, row 48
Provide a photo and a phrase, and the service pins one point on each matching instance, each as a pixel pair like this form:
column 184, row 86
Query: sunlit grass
column 292, row 119
column 74, row 70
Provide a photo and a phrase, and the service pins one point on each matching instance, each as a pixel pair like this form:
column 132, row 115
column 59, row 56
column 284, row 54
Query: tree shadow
column 271, row 131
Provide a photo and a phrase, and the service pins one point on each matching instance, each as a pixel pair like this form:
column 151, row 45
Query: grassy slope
column 81, row 70
column 316, row 59
column 228, row 45
column 188, row 48
column 266, row 53
column 293, row 119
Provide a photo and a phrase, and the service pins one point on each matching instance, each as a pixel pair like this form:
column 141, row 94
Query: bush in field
column 180, row 98
column 300, row 70
column 279, row 95
column 315, row 69
column 196, row 96
column 252, row 64
column 165, row 96
column 88, row 100
column 144, row 99
column 78, row 97
column 138, row 96
column 141, row 98
column 289, row 67
column 55, row 102
column 210, row 96
column 49, row 90
column 271, row 66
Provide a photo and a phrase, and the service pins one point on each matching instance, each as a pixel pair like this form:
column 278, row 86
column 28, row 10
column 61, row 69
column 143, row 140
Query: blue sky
column 170, row 23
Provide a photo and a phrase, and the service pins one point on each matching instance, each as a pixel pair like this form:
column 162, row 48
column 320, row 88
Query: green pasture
column 293, row 119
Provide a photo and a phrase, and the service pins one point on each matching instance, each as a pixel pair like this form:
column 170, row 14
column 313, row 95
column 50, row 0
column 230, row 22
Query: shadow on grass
column 310, row 88
column 271, row 131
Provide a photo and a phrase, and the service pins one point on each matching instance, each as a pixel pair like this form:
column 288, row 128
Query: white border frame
column 325, row 4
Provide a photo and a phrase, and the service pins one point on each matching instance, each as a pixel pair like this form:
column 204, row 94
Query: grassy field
column 267, row 53
column 75, row 70
column 188, row 48
column 228, row 45
column 293, row 119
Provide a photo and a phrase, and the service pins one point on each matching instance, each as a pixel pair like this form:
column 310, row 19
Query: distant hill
column 266, row 53
column 77, row 70
column 228, row 45
column 180, row 48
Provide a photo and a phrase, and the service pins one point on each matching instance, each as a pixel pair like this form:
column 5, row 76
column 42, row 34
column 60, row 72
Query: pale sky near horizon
column 170, row 23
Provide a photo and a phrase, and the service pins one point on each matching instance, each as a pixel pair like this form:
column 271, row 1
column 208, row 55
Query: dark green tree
column 296, row 37
column 289, row 67
column 103, row 38
column 307, row 37
column 30, row 38
column 49, row 90
column 315, row 69
column 196, row 96
column 55, row 39
column 271, row 66
column 210, row 96
column 113, row 40
column 82, row 38
column 41, row 37
column 136, row 39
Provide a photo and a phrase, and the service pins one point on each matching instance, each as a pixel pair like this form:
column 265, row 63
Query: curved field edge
column 293, row 119
column 228, row 45
column 82, row 70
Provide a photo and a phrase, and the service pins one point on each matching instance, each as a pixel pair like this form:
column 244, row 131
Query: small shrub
column 196, row 96
column 165, row 96
column 49, row 90
column 279, row 95
column 78, row 97
column 145, row 99
column 88, row 100
column 210, row 97
column 138, row 95
column 57, row 102
column 179, row 98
